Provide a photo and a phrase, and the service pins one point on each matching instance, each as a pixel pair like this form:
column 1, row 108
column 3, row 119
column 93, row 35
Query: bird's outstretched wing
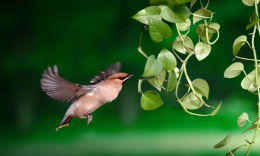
column 60, row 89
column 112, row 69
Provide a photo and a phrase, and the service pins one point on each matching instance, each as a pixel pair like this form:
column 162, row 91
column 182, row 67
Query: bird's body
column 85, row 98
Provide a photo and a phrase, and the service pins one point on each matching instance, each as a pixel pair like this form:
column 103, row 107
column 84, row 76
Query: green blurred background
column 83, row 37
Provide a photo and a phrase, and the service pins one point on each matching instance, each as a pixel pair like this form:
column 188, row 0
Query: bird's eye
column 121, row 78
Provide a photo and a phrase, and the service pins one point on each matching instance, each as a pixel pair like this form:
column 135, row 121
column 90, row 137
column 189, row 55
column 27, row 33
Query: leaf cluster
column 161, row 71
column 250, row 82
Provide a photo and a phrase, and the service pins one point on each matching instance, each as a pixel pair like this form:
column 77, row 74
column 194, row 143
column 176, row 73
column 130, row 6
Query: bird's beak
column 130, row 76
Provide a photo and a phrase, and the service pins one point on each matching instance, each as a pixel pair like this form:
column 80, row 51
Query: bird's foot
column 89, row 118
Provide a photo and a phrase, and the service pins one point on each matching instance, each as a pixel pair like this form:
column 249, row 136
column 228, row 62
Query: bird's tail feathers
column 65, row 122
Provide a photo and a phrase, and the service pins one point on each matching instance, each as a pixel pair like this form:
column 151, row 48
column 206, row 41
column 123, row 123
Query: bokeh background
column 82, row 38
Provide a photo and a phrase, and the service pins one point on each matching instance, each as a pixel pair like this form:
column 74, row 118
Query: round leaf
column 202, row 33
column 151, row 100
column 172, row 81
column 167, row 59
column 253, row 21
column 248, row 85
column 156, row 82
column 184, row 26
column 202, row 50
column 224, row 142
column 241, row 120
column 168, row 15
column 192, row 102
column 179, row 46
column 159, row 30
column 175, row 13
column 152, row 67
column 234, row 70
column 152, row 12
column 250, row 2
column 201, row 86
column 201, row 12
column 238, row 43
column 213, row 27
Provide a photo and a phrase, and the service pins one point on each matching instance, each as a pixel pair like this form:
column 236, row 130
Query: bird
column 85, row 99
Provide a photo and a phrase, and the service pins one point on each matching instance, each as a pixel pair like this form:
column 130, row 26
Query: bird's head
column 120, row 77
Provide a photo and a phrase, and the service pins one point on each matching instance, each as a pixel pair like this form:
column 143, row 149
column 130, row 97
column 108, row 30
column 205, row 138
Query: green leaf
column 175, row 13
column 250, row 2
column 151, row 100
column 248, row 85
column 216, row 110
column 159, row 30
column 201, row 86
column 233, row 151
column 212, row 28
column 181, row 10
column 172, row 81
column 192, row 3
column 241, row 120
column 234, row 70
column 184, row 26
column 251, row 127
column 253, row 21
column 202, row 33
column 192, row 102
column 179, row 46
column 202, row 50
column 152, row 67
column 167, row 59
column 182, row 1
column 201, row 12
column 152, row 12
column 156, row 82
column 238, row 43
column 158, row 2
column 224, row 142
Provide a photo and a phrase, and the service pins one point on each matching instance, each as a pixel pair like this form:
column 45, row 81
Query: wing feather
column 58, row 88
column 112, row 69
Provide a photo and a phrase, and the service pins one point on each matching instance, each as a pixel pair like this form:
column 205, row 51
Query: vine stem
column 185, row 71
column 248, row 77
column 139, row 43
column 257, row 85
column 242, row 58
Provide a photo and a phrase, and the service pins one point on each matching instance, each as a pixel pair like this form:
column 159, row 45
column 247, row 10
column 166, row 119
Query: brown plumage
column 85, row 99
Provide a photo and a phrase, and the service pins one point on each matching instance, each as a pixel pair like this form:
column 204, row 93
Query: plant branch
column 177, row 56
column 186, row 93
column 201, row 4
column 242, row 58
column 178, row 83
column 199, row 16
column 257, row 85
column 139, row 43
column 207, row 32
column 229, row 150
column 160, row 83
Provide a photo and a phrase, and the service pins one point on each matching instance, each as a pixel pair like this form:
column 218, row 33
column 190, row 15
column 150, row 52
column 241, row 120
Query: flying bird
column 85, row 99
